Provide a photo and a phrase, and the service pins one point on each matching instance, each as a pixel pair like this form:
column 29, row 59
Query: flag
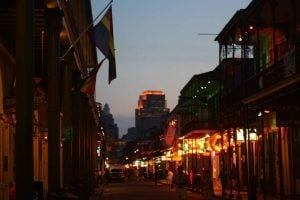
column 13, row 86
column 170, row 135
column 103, row 37
column 88, row 86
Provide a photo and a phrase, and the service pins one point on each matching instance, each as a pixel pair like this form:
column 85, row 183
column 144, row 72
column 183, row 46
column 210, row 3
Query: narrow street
column 146, row 190
column 204, row 95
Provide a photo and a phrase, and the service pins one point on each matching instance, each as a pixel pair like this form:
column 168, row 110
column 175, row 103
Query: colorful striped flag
column 89, row 83
column 103, row 37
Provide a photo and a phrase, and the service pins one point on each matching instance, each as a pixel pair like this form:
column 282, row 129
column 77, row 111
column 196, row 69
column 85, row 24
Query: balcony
column 272, row 76
column 276, row 73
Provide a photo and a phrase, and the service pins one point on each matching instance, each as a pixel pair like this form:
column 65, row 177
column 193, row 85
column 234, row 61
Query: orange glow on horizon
column 144, row 94
column 152, row 92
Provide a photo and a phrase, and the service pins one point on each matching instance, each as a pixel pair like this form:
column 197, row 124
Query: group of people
column 180, row 180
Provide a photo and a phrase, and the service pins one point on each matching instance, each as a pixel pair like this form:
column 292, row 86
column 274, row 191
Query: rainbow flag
column 103, row 37
column 89, row 83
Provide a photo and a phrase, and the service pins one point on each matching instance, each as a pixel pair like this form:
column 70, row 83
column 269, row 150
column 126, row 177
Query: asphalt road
column 142, row 190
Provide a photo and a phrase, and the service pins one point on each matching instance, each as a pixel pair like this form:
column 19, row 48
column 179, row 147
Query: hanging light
column 259, row 114
column 252, row 134
column 240, row 135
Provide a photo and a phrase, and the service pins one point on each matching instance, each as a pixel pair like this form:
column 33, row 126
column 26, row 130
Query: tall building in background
column 131, row 134
column 110, row 128
column 151, row 112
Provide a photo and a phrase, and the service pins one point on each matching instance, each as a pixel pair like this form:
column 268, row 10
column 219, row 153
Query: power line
column 207, row 34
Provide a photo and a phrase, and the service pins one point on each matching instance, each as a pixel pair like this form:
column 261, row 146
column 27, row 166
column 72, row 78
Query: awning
column 199, row 133
column 271, row 89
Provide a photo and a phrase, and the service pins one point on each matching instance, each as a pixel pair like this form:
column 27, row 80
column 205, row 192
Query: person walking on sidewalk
column 223, row 176
column 170, row 178
column 181, row 181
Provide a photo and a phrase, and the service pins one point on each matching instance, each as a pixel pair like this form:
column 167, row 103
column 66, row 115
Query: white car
column 117, row 174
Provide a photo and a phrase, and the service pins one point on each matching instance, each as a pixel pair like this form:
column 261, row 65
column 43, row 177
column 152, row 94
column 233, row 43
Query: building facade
column 254, row 136
column 259, row 57
column 46, row 123
column 151, row 112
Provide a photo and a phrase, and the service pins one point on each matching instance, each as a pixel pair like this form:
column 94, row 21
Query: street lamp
column 249, row 137
column 237, row 165
column 252, row 136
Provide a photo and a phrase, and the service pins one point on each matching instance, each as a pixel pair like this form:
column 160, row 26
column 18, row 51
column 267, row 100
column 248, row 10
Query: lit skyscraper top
column 151, row 111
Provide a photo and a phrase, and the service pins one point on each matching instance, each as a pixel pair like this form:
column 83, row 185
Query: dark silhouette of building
column 131, row 134
column 110, row 128
column 151, row 112
column 117, row 151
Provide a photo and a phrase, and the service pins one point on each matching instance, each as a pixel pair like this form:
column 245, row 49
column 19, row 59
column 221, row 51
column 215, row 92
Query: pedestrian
column 191, row 178
column 261, row 179
column 97, row 177
column 107, row 176
column 233, row 176
column 223, row 176
column 137, row 175
column 12, row 191
column 170, row 178
column 181, row 181
column 155, row 177
column 206, row 184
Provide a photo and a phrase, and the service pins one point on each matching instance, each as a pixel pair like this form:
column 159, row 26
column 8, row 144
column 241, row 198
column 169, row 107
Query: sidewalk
column 98, row 193
column 234, row 193
column 243, row 195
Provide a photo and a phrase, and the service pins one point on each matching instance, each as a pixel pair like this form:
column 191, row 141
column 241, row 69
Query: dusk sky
column 158, row 48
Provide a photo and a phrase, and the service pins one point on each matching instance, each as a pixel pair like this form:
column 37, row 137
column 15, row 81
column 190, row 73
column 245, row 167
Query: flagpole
column 84, row 31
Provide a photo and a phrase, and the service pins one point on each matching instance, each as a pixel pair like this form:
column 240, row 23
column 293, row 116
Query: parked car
column 117, row 174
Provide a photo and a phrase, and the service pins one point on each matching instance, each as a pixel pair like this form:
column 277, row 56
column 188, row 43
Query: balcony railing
column 277, row 72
